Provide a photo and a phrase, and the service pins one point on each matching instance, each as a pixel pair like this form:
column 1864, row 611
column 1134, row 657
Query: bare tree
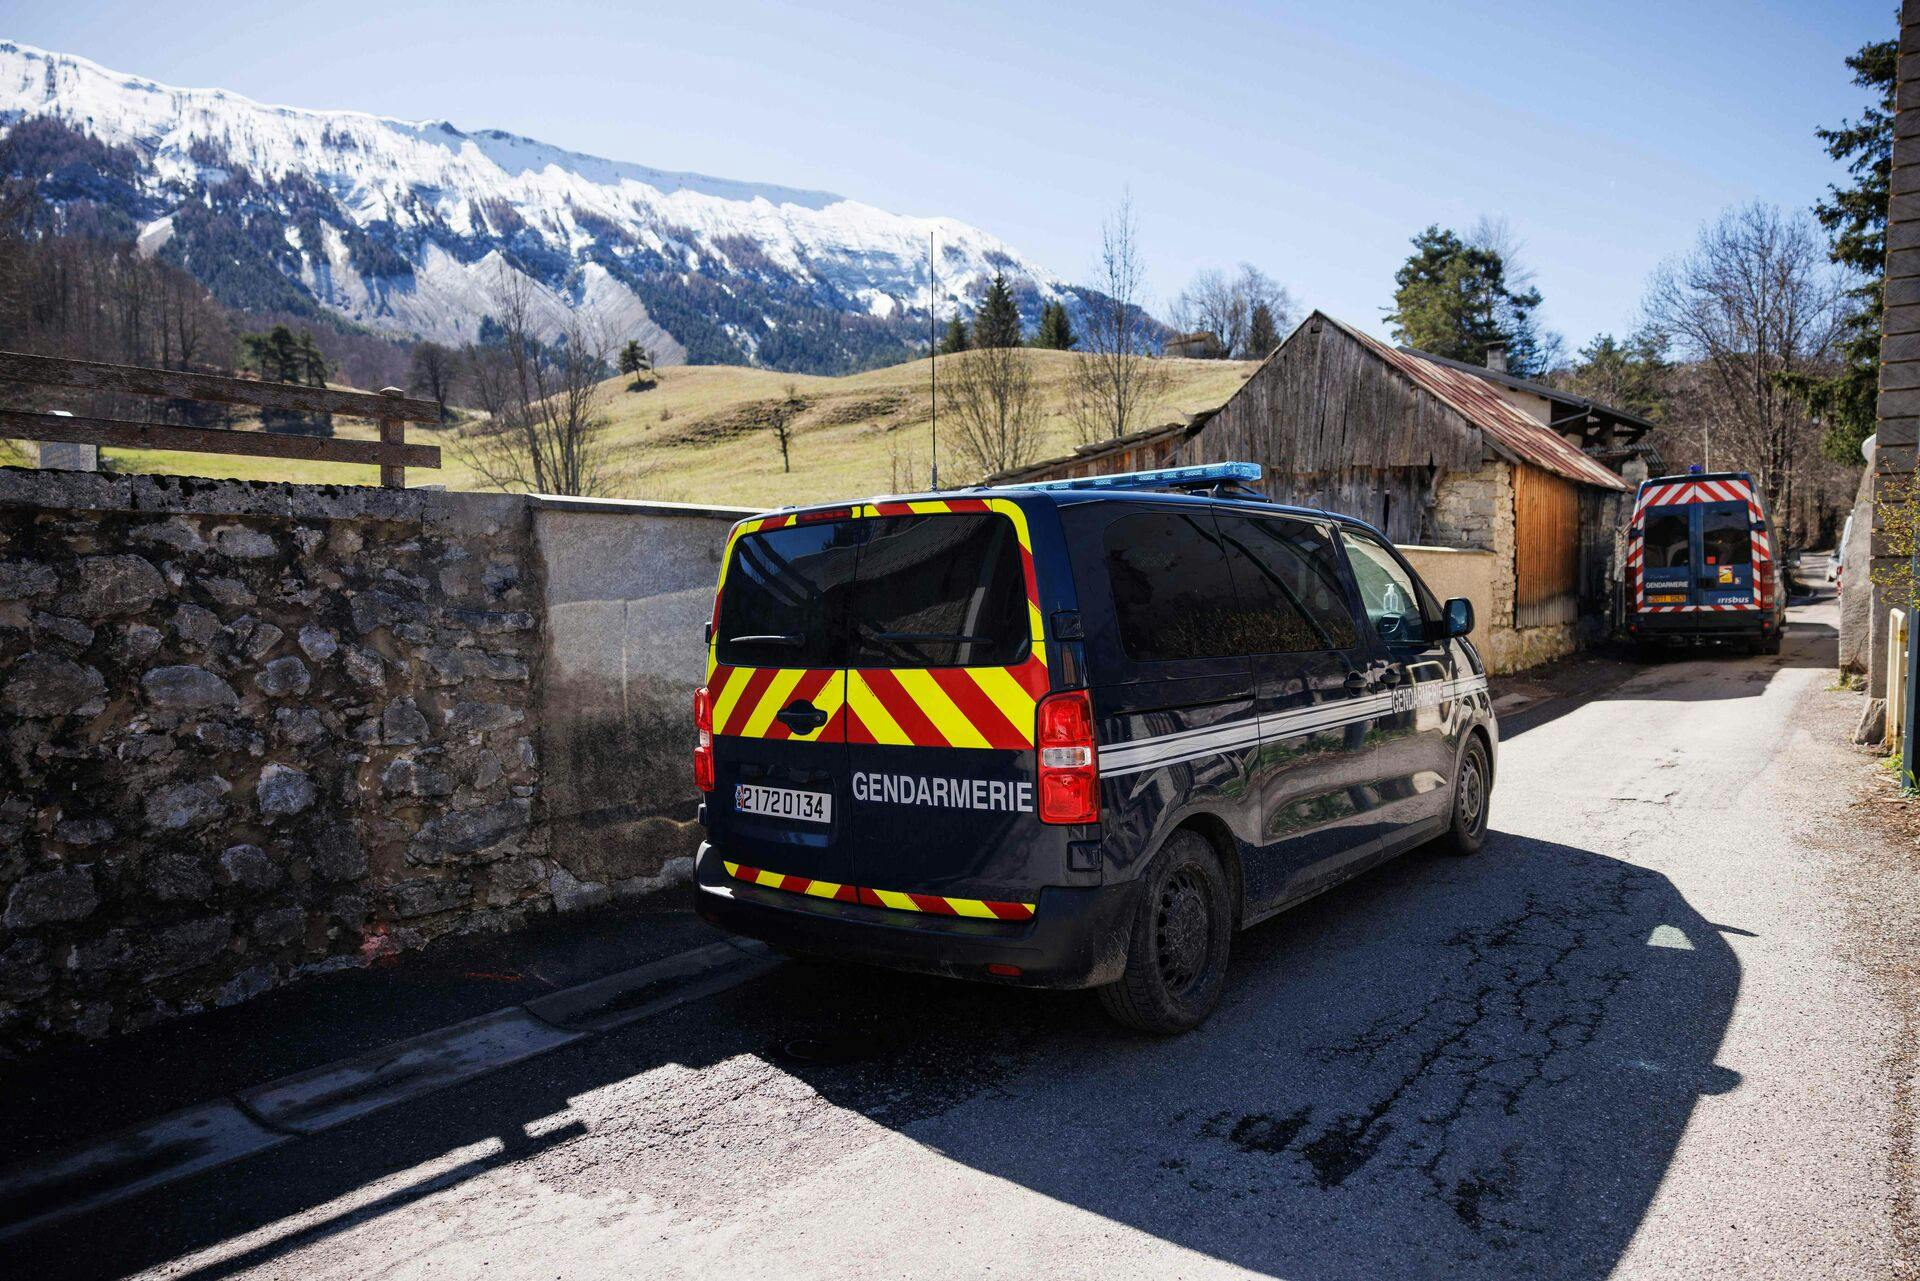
column 988, row 393
column 1753, row 300
column 1223, row 306
column 432, row 371
column 1115, row 378
column 1496, row 235
column 783, row 415
column 543, row 429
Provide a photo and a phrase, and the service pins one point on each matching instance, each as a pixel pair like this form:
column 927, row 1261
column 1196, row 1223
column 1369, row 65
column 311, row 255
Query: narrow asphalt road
column 1628, row 1039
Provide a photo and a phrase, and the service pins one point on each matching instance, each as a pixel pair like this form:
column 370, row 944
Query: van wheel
column 1472, row 789
column 1177, row 949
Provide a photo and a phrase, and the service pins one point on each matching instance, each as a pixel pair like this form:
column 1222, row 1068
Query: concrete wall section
column 1856, row 582
column 1455, row 571
column 628, row 588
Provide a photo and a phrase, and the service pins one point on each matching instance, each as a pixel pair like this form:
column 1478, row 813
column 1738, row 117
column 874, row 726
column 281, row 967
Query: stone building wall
column 1476, row 509
column 249, row 732
column 1898, row 406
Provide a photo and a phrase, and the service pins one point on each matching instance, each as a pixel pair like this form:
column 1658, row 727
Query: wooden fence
column 390, row 407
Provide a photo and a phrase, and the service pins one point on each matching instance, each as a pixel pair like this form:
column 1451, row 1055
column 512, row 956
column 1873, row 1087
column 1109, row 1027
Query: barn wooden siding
column 1337, row 427
column 1546, row 548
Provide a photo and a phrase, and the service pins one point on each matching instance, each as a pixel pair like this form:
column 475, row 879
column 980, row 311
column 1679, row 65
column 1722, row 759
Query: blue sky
column 1311, row 139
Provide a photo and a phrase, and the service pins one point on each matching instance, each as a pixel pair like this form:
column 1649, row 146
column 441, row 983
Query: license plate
column 784, row 802
column 1679, row 599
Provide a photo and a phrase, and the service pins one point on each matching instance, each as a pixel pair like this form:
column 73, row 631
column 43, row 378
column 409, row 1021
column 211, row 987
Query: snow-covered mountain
column 405, row 226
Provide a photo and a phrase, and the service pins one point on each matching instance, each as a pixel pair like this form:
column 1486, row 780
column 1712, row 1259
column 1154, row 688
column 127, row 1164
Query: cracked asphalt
column 1630, row 1038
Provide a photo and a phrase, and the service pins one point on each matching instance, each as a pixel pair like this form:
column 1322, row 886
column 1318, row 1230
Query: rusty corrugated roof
column 1511, row 432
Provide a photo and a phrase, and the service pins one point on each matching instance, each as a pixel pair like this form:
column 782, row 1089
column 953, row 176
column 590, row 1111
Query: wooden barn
column 1499, row 505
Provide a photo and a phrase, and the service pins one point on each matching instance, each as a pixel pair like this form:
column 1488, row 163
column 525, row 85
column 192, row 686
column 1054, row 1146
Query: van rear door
column 1698, row 553
column 777, row 682
column 1723, row 542
column 1667, row 558
column 947, row 663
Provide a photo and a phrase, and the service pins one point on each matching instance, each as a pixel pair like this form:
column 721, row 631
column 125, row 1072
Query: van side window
column 1288, row 576
column 939, row 591
column 1172, row 591
column 1387, row 594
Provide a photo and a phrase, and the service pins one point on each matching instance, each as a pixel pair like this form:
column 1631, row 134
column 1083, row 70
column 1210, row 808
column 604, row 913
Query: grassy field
column 702, row 434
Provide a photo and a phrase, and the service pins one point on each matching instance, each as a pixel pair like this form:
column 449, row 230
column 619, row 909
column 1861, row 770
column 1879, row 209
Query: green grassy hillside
column 702, row 433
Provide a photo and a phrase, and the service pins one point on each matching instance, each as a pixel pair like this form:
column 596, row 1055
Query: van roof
column 1697, row 475
column 1079, row 497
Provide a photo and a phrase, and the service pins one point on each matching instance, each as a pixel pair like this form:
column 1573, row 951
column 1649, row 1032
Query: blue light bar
column 1162, row 478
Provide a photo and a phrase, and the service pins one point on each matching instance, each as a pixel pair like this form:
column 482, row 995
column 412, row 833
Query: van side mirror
column 1458, row 617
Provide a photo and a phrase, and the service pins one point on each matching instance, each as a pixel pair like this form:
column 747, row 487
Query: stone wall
column 257, row 731
column 1898, row 406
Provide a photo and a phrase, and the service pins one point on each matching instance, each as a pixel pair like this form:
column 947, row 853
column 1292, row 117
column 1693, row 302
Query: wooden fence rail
column 390, row 407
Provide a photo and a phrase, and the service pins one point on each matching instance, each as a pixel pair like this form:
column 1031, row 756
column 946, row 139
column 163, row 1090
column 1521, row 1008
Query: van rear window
column 941, row 590
column 784, row 595
column 1667, row 542
column 1726, row 536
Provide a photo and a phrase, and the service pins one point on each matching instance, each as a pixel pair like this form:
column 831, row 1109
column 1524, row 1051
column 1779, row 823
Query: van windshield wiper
column 766, row 640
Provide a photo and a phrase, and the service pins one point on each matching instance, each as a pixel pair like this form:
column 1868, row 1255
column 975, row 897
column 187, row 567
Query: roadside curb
column 216, row 1133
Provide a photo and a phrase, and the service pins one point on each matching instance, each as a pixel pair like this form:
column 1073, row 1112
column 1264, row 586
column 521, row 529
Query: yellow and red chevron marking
column 933, row 904
column 978, row 707
column 746, row 699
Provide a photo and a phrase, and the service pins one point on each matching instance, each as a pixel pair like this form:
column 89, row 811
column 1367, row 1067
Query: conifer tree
column 1262, row 337
column 956, row 337
column 278, row 356
column 997, row 323
column 1855, row 217
column 1056, row 329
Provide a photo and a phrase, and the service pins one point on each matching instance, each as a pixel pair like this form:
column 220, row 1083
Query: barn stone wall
column 1476, row 509
column 250, row 732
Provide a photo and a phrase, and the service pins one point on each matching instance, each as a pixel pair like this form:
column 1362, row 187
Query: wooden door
column 1546, row 553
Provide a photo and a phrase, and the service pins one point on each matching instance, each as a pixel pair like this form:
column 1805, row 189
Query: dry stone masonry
column 250, row 732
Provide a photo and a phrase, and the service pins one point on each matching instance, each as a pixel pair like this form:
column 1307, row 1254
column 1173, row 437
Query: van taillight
column 703, row 739
column 1069, row 768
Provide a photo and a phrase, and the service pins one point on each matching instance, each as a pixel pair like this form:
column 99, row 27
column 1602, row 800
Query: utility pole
column 933, row 360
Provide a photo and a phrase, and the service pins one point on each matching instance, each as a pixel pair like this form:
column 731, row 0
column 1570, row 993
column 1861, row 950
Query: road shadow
column 1473, row 1067
column 1460, row 1070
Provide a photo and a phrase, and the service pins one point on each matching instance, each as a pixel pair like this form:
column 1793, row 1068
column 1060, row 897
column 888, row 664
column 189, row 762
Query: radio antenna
column 933, row 362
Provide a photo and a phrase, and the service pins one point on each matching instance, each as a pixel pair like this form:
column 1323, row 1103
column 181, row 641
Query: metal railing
column 391, row 408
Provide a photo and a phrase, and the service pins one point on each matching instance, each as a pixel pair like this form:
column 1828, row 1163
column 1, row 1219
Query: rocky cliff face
column 406, row 226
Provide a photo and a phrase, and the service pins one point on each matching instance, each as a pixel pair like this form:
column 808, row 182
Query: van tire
column 1178, row 945
column 1467, row 807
